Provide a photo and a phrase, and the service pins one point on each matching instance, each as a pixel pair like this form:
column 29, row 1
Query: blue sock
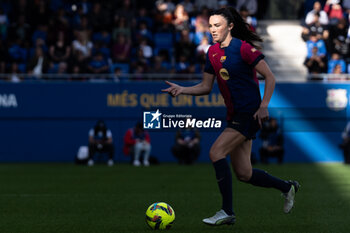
column 224, row 179
column 264, row 179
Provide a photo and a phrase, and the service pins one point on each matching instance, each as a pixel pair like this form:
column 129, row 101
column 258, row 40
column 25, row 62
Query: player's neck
column 226, row 42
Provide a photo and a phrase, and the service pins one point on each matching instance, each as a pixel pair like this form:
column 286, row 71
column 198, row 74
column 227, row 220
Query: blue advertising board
column 42, row 122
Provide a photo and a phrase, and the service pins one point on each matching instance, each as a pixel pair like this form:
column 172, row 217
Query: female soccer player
column 233, row 59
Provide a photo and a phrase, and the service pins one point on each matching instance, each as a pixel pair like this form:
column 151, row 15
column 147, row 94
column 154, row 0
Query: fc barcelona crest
column 222, row 59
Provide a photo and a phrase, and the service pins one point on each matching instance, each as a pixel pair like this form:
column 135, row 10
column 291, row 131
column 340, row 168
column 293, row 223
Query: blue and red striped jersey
column 234, row 68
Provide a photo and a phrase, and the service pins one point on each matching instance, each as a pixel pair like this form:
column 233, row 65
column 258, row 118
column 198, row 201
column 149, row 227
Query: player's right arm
column 202, row 88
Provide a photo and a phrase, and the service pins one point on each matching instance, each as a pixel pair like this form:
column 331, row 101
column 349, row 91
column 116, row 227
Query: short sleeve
column 208, row 66
column 250, row 54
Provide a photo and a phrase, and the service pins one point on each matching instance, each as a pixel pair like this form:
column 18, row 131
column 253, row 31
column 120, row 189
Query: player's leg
column 223, row 145
column 146, row 147
column 110, row 151
column 137, row 154
column 92, row 151
column 240, row 159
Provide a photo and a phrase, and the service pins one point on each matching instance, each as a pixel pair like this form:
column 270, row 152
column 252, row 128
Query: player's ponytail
column 241, row 29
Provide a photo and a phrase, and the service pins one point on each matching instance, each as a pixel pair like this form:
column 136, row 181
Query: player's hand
column 261, row 115
column 174, row 89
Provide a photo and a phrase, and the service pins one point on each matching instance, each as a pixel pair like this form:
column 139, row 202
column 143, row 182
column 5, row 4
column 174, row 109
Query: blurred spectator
column 345, row 145
column 60, row 51
column 185, row 47
column 316, row 64
column 203, row 47
column 164, row 16
column 101, row 141
column 102, row 36
column 146, row 49
column 103, row 48
column 272, row 141
column 316, row 28
column 143, row 32
column 20, row 30
column 315, row 42
column 121, row 49
column 61, row 21
column 334, row 61
column 159, row 67
column 3, row 57
column 125, row 9
column 41, row 13
column 83, row 27
column 143, row 16
column 14, row 73
column 338, row 41
column 250, row 5
column 17, row 52
column 334, row 11
column 139, row 60
column 121, row 27
column 82, row 44
column 188, row 5
column 323, row 17
column 137, row 141
column 39, row 63
column 98, row 65
column 139, row 70
column 201, row 26
column 3, row 24
column 208, row 4
column 62, row 68
column 248, row 19
column 182, row 64
column 187, row 146
column 99, row 17
column 181, row 19
column 117, row 73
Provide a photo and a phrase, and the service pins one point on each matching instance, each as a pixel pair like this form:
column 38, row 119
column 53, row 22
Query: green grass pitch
column 49, row 198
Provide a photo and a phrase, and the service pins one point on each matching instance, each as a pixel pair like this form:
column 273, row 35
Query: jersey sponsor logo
column 224, row 74
column 215, row 54
column 223, row 59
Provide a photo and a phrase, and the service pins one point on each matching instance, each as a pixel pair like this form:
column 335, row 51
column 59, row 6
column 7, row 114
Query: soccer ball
column 160, row 216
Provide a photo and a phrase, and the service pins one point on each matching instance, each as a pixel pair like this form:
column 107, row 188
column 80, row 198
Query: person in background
column 316, row 64
column 345, row 145
column 187, row 147
column 272, row 142
column 334, row 61
column 136, row 141
column 100, row 140
column 310, row 17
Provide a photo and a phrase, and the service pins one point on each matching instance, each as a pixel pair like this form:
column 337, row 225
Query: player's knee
column 243, row 175
column 215, row 154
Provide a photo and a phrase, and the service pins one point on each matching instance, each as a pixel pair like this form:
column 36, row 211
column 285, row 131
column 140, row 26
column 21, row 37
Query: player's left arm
column 262, row 68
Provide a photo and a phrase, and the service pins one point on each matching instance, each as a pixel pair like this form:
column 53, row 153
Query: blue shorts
column 245, row 124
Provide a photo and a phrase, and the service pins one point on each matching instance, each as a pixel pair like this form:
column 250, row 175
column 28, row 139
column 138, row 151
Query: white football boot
column 289, row 197
column 220, row 218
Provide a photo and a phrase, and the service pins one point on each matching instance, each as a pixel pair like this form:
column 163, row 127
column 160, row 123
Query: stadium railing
column 98, row 77
column 108, row 77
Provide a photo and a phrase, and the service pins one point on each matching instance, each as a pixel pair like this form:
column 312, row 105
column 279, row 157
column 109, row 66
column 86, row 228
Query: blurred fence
column 108, row 77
